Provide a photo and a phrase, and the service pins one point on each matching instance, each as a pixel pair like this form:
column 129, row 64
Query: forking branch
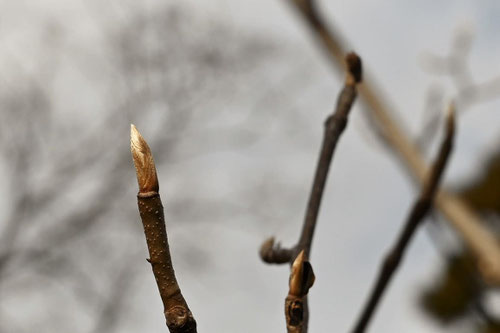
column 465, row 221
column 271, row 253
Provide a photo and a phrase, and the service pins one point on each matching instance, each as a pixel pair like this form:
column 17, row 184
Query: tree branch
column 465, row 221
column 419, row 210
column 179, row 317
column 334, row 127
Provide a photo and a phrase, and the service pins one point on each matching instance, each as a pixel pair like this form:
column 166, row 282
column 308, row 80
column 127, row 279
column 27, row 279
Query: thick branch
column 465, row 221
column 419, row 210
column 179, row 317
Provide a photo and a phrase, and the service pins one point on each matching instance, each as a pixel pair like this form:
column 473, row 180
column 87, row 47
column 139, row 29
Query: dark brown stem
column 419, row 210
column 465, row 221
column 178, row 316
column 334, row 126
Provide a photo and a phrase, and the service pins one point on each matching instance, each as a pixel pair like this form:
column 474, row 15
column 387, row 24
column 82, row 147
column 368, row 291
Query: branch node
column 180, row 319
column 301, row 280
column 272, row 253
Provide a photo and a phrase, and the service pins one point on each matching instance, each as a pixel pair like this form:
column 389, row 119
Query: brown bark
column 301, row 280
column 177, row 314
column 334, row 127
column 464, row 220
column 297, row 312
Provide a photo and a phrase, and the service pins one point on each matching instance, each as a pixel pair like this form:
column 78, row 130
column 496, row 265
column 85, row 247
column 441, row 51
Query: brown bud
column 144, row 163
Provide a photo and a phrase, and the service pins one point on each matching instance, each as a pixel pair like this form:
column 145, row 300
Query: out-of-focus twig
column 179, row 317
column 455, row 66
column 465, row 221
column 418, row 212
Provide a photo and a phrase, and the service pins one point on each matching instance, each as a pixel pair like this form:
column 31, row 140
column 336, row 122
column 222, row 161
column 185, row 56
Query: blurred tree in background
column 69, row 245
column 69, row 251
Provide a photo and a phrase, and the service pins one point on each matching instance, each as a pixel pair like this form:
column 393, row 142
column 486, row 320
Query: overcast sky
column 367, row 195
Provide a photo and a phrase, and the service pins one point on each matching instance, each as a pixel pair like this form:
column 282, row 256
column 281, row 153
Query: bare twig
column 301, row 280
column 465, row 221
column 334, row 126
column 419, row 210
column 179, row 317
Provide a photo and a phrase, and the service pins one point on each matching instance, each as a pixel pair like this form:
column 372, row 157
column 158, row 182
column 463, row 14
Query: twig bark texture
column 465, row 221
column 178, row 316
column 301, row 280
column 419, row 210
column 334, row 127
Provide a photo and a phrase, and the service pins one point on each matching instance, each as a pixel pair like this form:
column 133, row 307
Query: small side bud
column 301, row 277
column 143, row 161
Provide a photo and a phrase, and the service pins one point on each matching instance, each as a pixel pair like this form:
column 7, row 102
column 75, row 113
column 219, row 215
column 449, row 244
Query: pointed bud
column 302, row 276
column 143, row 161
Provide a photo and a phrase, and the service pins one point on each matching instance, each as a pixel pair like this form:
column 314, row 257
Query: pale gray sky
column 367, row 196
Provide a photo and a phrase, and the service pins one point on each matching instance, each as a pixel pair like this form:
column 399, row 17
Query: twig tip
column 354, row 67
column 143, row 161
column 266, row 247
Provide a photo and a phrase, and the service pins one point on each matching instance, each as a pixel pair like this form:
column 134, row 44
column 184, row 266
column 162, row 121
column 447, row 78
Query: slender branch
column 419, row 210
column 179, row 317
column 465, row 221
column 334, row 127
column 301, row 280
